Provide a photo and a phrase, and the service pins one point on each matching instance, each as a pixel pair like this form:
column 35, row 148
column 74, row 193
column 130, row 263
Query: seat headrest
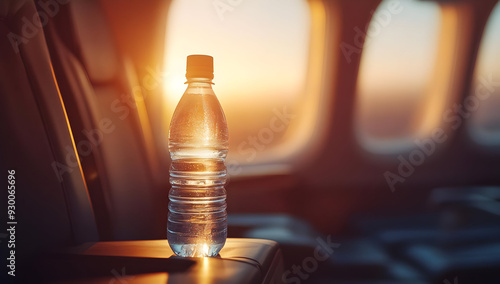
column 96, row 44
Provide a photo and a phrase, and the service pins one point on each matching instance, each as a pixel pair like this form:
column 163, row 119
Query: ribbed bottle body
column 198, row 144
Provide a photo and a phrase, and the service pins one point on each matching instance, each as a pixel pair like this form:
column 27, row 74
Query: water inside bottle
column 197, row 219
column 198, row 141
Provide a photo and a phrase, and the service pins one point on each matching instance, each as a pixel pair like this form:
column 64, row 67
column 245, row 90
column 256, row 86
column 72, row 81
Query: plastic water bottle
column 198, row 143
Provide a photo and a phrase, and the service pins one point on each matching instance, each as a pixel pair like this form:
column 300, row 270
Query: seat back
column 52, row 205
column 105, row 115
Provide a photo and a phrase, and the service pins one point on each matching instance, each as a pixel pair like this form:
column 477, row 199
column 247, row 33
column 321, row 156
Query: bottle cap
column 200, row 66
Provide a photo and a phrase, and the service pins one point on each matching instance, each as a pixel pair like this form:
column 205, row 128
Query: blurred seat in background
column 109, row 121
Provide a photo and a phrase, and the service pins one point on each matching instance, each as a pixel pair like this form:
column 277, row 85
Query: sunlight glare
column 260, row 50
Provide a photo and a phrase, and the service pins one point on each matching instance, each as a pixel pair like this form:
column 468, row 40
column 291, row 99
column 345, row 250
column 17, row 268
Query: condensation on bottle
column 198, row 145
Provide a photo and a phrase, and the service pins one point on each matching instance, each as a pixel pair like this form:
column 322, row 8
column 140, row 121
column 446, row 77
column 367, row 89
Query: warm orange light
column 261, row 62
column 397, row 74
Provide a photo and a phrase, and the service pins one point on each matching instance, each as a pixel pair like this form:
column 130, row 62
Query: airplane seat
column 49, row 209
column 107, row 118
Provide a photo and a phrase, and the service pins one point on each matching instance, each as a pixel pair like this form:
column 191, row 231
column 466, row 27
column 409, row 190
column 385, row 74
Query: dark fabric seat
column 52, row 205
column 109, row 123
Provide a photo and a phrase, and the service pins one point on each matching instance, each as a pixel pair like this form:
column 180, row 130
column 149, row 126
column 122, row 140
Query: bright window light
column 261, row 53
column 485, row 122
column 396, row 70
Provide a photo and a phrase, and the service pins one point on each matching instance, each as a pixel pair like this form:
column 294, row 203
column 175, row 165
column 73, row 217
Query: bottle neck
column 199, row 82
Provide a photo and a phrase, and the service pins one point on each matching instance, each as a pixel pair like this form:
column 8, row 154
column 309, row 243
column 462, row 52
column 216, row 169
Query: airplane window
column 396, row 70
column 485, row 117
column 261, row 53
